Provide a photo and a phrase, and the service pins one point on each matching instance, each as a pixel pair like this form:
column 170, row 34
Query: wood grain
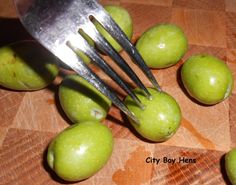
column 231, row 61
column 201, row 4
column 150, row 2
column 38, row 108
column 7, row 9
column 206, row 170
column 152, row 15
column 231, row 29
column 10, row 102
column 29, row 120
column 233, row 119
column 21, row 157
column 195, row 23
column 230, row 5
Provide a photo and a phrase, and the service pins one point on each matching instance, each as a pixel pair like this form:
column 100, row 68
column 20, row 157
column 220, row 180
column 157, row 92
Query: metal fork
column 57, row 25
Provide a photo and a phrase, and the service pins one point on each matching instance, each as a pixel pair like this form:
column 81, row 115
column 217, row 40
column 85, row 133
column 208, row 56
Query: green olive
column 123, row 19
column 160, row 118
column 230, row 165
column 81, row 101
column 162, row 45
column 80, row 151
column 26, row 65
column 207, row 79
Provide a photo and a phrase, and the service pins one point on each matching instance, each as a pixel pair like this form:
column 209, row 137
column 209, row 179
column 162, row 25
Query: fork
column 58, row 24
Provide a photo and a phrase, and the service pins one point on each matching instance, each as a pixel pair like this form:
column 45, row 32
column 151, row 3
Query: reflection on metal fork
column 76, row 42
column 56, row 24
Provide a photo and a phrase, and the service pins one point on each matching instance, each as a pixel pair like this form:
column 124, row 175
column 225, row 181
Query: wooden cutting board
column 29, row 120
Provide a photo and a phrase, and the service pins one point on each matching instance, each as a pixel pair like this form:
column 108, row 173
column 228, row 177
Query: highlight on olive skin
column 80, row 151
column 160, row 118
column 207, row 79
column 162, row 45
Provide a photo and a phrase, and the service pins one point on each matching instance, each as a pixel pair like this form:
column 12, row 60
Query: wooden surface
column 29, row 120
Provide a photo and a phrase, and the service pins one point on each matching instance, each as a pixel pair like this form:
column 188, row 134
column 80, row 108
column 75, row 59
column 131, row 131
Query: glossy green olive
column 230, row 165
column 207, row 79
column 162, row 45
column 26, row 66
column 123, row 19
column 80, row 151
column 160, row 118
column 81, row 101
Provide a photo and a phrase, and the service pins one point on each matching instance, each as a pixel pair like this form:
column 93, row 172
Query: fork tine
column 92, row 32
column 109, row 24
column 52, row 22
column 79, row 43
column 69, row 57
